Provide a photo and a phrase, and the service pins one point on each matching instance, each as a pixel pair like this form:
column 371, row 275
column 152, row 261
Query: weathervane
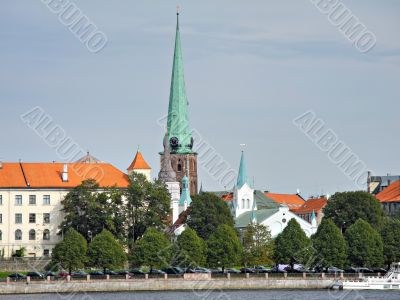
column 177, row 9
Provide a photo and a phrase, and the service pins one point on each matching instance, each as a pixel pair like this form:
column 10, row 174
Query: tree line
column 111, row 227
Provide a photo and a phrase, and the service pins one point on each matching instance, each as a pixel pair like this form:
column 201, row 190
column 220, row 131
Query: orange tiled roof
column 138, row 163
column 11, row 176
column 49, row 175
column 227, row 197
column 291, row 200
column 391, row 193
column 312, row 205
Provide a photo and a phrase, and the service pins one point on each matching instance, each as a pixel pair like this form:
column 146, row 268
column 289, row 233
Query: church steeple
column 242, row 176
column 179, row 133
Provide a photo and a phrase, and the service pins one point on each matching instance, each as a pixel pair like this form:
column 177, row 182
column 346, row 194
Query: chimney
column 369, row 181
column 65, row 173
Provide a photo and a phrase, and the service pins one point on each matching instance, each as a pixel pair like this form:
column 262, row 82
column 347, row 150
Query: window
column 1, row 235
column 243, row 204
column 18, row 199
column 1, row 218
column 248, row 203
column 1, row 199
column 46, row 218
column 46, row 199
column 32, row 199
column 18, row 218
column 32, row 218
column 32, row 235
column 46, row 252
column 18, row 235
column 46, row 235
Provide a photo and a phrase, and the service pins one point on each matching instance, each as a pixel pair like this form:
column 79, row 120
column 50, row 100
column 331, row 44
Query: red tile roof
column 11, row 175
column 391, row 193
column 138, row 163
column 227, row 197
column 312, row 205
column 49, row 175
column 291, row 200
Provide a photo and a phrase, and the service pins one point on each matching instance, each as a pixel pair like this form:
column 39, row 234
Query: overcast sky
column 250, row 69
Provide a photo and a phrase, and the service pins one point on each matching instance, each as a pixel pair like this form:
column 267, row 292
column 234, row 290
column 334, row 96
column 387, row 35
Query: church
column 179, row 170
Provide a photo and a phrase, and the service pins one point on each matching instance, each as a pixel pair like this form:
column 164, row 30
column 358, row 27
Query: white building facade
column 30, row 201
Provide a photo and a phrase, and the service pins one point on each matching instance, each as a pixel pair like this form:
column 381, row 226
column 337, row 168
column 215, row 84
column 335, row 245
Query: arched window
column 32, row 235
column 18, row 235
column 179, row 165
column 1, row 235
column 46, row 234
column 243, row 203
column 248, row 203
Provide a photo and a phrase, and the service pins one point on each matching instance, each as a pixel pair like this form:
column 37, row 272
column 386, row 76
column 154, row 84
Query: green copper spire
column 242, row 177
column 185, row 196
column 179, row 133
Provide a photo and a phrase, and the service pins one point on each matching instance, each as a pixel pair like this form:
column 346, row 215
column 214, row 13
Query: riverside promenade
column 167, row 283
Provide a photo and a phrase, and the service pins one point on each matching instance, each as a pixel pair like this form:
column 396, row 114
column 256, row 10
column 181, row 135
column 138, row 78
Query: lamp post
column 90, row 235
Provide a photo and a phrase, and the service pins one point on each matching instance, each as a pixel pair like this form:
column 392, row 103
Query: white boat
column 391, row 281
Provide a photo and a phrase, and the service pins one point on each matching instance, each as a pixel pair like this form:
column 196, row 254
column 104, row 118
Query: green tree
column 258, row 246
column 292, row 245
column 364, row 244
column 191, row 249
column 70, row 253
column 153, row 249
column 117, row 209
column 106, row 252
column 390, row 234
column 206, row 213
column 330, row 244
column 88, row 210
column 223, row 247
column 347, row 207
column 147, row 205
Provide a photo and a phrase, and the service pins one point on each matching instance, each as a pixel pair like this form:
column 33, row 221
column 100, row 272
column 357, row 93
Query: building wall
column 307, row 216
column 179, row 164
column 391, row 208
column 8, row 226
column 277, row 222
column 145, row 172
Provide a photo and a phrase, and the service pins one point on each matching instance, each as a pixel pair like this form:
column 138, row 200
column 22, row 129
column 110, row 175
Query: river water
column 220, row 295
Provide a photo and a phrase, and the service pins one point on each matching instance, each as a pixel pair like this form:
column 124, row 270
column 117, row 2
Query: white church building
column 247, row 205
column 250, row 206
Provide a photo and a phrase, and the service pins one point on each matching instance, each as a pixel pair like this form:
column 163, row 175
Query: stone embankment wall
column 160, row 284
